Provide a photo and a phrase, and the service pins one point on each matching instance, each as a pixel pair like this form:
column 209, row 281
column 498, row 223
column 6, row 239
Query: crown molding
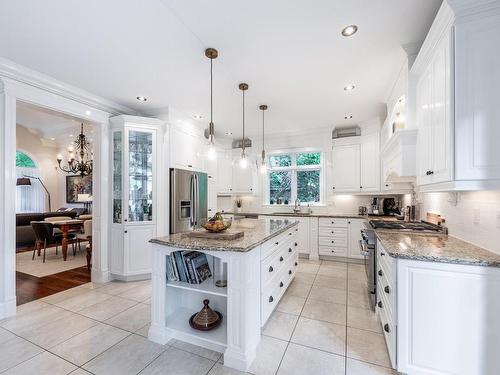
column 20, row 73
column 463, row 8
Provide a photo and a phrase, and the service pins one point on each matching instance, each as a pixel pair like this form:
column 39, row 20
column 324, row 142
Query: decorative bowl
column 216, row 226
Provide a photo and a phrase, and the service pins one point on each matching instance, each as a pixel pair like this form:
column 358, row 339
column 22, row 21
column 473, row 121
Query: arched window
column 30, row 198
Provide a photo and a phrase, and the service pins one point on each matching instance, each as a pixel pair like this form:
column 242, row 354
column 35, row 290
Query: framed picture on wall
column 77, row 185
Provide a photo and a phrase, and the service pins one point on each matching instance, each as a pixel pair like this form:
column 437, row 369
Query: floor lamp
column 25, row 181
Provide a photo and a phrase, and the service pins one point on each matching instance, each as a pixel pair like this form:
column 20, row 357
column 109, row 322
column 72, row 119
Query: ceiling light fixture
column 348, row 117
column 52, row 139
column 349, row 30
column 263, row 166
column 141, row 98
column 243, row 160
column 349, row 88
column 212, row 54
column 198, row 117
column 229, row 133
column 83, row 166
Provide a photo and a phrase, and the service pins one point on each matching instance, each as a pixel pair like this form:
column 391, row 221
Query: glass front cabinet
column 134, row 194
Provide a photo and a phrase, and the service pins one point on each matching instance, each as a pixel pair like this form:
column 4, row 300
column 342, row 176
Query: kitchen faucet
column 296, row 208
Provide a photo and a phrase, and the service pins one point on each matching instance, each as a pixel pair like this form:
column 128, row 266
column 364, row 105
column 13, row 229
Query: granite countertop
column 290, row 214
column 435, row 248
column 257, row 231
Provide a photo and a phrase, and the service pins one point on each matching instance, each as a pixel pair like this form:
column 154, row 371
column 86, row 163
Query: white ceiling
column 53, row 128
column 290, row 53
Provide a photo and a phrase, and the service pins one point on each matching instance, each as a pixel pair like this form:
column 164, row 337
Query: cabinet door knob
column 380, row 273
column 190, row 166
column 333, row 231
column 361, row 187
column 271, row 299
column 386, row 185
column 271, row 269
column 296, row 229
column 379, row 304
column 281, row 259
column 289, row 272
column 387, row 289
column 333, row 251
column 333, row 241
column 124, row 219
column 382, row 254
column 290, row 233
column 386, row 328
column 333, row 187
column 290, row 250
column 126, row 231
column 281, row 284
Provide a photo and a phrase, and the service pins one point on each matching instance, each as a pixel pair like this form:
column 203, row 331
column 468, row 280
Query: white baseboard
column 145, row 276
column 8, row 308
column 100, row 277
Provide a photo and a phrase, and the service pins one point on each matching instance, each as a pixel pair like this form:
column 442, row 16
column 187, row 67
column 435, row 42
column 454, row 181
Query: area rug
column 53, row 263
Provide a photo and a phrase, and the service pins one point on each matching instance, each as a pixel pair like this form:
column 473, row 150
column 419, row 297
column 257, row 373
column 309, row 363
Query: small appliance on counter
column 384, row 207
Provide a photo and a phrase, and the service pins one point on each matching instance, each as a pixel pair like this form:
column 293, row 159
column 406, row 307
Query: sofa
column 24, row 231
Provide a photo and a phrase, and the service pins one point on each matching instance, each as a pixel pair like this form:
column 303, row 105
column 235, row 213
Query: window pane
column 23, row 160
column 308, row 186
column 280, row 187
column 280, row 160
column 312, row 158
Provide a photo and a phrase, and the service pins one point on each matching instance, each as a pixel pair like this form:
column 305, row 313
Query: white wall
column 320, row 139
column 45, row 158
column 475, row 219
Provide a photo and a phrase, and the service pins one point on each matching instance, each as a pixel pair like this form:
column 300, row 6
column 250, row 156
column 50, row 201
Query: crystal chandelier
column 82, row 165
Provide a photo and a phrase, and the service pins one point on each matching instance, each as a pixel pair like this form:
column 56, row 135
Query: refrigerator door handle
column 191, row 198
column 196, row 194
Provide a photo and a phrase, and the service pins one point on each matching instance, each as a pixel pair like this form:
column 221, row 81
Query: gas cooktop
column 405, row 226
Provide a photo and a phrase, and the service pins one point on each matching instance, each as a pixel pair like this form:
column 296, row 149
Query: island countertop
column 435, row 248
column 256, row 232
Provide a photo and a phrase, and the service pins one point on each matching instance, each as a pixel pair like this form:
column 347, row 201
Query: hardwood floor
column 29, row 288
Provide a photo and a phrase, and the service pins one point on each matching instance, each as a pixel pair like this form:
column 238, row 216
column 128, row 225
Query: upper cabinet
column 186, row 150
column 231, row 178
column 356, row 164
column 457, row 86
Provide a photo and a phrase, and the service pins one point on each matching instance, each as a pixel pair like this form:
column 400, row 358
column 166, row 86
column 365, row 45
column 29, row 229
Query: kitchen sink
column 292, row 213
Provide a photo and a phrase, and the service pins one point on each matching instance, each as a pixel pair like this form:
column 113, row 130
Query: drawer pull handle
column 382, row 254
column 290, row 233
column 281, row 259
column 386, row 328
column 289, row 272
column 387, row 290
column 380, row 273
column 296, row 229
column 333, row 251
column 289, row 249
column 333, row 222
column 271, row 269
column 271, row 299
column 296, row 244
column 276, row 243
column 281, row 284
column 333, row 231
column 379, row 304
column 296, row 264
column 126, row 231
column 333, row 241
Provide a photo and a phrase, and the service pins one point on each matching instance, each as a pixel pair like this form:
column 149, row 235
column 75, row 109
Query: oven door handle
column 362, row 249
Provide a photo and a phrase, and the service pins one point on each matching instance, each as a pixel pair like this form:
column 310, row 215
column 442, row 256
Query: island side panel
column 243, row 309
column 157, row 331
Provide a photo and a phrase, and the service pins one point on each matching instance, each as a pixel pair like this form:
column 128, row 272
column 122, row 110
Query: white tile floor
column 322, row 326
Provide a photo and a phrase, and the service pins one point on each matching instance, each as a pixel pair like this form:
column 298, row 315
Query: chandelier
column 82, row 165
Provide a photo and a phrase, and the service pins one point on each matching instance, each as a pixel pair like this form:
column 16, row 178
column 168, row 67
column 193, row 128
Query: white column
column 101, row 225
column 7, row 202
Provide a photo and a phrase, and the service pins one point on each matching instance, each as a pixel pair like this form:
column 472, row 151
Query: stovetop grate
column 414, row 226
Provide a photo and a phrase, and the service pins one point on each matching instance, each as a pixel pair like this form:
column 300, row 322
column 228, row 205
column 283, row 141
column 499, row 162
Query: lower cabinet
column 439, row 318
column 340, row 237
column 355, row 226
column 279, row 263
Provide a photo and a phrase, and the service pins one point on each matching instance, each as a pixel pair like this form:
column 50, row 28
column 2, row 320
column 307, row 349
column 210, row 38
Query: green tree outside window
column 24, row 161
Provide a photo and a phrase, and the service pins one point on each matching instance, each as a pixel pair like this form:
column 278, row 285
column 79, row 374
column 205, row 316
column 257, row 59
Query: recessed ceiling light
column 229, row 133
column 349, row 88
column 52, row 139
column 88, row 113
column 198, row 117
column 70, row 135
column 348, row 117
column 349, row 30
column 141, row 98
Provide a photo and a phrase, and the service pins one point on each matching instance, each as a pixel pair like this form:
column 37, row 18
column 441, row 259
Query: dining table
column 66, row 226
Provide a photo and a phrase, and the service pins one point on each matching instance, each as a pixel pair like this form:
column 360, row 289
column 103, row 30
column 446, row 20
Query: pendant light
column 243, row 160
column 263, row 166
column 212, row 54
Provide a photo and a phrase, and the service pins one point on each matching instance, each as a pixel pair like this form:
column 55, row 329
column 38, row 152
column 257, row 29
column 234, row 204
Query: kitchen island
column 258, row 268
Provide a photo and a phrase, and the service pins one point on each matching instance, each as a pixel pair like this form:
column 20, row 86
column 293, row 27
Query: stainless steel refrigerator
column 188, row 199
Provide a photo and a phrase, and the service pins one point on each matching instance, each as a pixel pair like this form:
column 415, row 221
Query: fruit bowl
column 216, row 226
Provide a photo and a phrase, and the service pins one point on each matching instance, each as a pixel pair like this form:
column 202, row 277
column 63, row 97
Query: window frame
column 294, row 168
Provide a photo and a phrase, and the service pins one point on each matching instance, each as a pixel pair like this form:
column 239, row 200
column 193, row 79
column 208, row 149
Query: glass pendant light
column 263, row 166
column 212, row 54
column 243, row 159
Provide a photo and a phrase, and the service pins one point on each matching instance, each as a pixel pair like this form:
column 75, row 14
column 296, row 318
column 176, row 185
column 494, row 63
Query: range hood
column 399, row 157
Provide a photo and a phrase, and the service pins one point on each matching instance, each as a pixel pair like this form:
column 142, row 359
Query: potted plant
column 238, row 203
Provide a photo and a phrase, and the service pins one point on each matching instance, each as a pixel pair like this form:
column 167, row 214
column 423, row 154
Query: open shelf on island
column 178, row 321
column 207, row 287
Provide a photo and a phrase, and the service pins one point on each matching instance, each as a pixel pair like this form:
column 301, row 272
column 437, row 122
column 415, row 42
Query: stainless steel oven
column 368, row 250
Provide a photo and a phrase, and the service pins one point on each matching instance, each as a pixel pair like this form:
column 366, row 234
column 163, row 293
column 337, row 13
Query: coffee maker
column 384, row 207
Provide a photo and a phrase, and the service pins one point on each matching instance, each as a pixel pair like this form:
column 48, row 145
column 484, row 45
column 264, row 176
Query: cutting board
column 226, row 235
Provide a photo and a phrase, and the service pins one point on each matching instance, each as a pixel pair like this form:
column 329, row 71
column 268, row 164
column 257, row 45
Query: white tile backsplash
column 475, row 218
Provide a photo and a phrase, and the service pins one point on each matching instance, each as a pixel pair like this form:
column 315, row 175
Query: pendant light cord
column 211, row 92
column 263, row 130
column 243, row 140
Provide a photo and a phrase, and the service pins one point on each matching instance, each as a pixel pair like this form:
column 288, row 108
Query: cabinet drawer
column 385, row 260
column 332, row 223
column 269, row 301
column 387, row 290
column 333, row 250
column 390, row 334
column 333, row 241
column 271, row 246
column 332, row 232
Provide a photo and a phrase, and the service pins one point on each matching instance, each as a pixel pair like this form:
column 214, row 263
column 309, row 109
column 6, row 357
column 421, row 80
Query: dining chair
column 87, row 232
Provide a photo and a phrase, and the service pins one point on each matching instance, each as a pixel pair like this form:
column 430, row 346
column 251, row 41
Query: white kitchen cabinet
column 231, row 178
column 333, row 236
column 457, row 76
column 370, row 163
column 212, row 196
column 353, row 249
column 135, row 146
column 187, row 151
column 346, row 167
column 303, row 235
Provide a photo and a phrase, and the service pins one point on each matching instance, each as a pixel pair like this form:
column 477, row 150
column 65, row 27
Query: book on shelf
column 188, row 266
